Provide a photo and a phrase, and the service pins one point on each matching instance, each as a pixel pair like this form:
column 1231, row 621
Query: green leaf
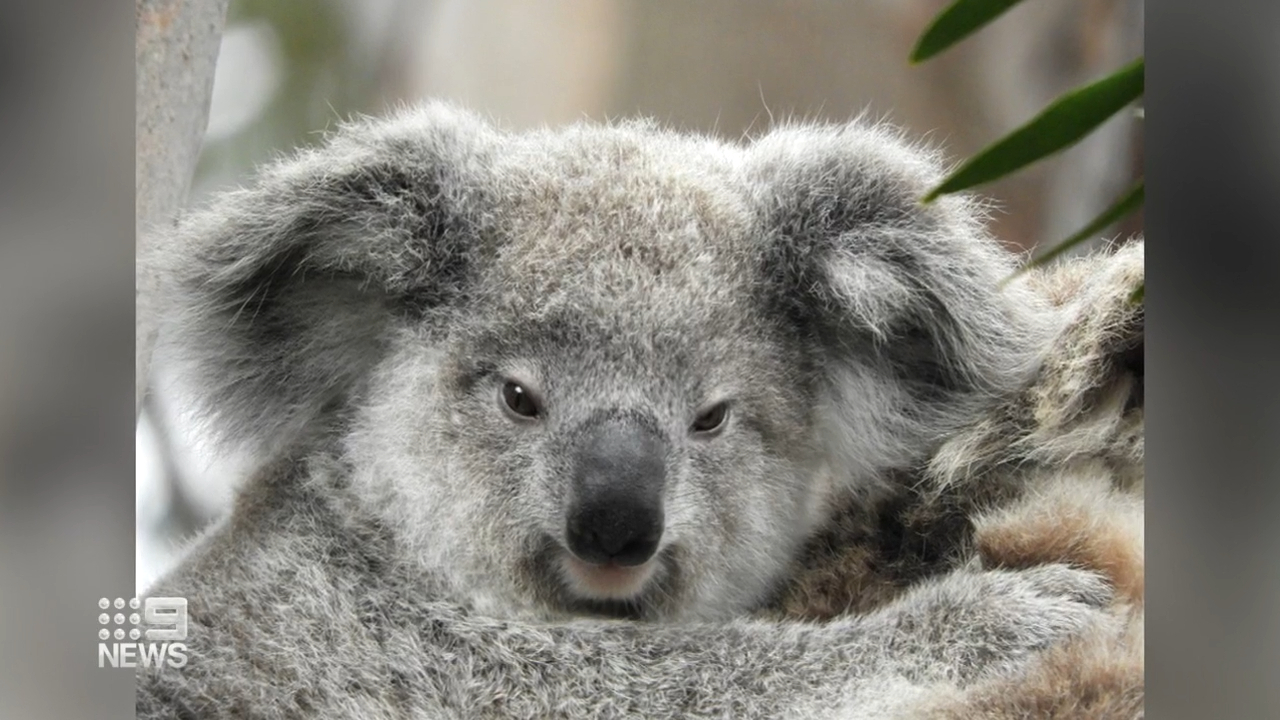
column 961, row 19
column 1139, row 295
column 1063, row 123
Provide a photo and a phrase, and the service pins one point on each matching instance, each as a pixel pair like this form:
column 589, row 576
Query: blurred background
column 290, row 69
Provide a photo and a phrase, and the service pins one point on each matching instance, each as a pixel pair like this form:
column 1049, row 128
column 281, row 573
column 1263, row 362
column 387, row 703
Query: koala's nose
column 615, row 508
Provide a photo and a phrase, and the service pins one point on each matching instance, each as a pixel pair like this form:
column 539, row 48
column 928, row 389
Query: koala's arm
column 300, row 615
column 455, row 665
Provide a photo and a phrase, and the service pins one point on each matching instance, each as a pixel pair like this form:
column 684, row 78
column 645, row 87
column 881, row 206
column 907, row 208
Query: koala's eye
column 518, row 400
column 711, row 419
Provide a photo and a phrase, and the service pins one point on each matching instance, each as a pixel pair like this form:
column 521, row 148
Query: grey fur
column 351, row 318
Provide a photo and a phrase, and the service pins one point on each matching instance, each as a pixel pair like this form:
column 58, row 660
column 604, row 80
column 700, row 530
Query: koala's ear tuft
column 277, row 300
column 902, row 302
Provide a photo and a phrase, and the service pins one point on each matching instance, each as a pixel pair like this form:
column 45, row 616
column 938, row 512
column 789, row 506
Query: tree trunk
column 176, row 51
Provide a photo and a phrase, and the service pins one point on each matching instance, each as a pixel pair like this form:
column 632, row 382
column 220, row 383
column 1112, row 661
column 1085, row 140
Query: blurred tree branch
column 176, row 51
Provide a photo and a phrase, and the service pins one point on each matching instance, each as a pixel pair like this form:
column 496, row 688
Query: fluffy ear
column 277, row 299
column 902, row 302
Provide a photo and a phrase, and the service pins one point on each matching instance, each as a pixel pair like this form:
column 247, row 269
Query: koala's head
column 602, row 369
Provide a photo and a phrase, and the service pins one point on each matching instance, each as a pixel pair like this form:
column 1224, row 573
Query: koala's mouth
column 649, row 591
column 609, row 581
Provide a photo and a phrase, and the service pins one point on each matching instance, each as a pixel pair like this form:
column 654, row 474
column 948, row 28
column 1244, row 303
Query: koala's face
column 616, row 424
column 608, row 465
column 599, row 370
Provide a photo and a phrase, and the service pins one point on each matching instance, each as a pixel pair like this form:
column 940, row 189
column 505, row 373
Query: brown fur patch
column 843, row 585
column 864, row 558
column 1073, row 520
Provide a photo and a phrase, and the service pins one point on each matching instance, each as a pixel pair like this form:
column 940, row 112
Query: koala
column 1052, row 475
column 543, row 416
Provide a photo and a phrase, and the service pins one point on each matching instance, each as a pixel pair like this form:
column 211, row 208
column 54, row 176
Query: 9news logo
column 165, row 621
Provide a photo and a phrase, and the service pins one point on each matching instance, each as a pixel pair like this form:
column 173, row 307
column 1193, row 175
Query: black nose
column 615, row 510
